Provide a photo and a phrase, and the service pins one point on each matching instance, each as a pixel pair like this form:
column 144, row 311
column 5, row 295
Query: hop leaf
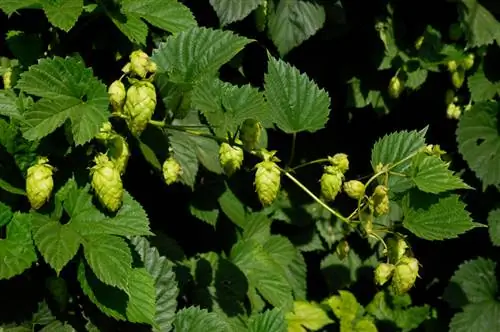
column 107, row 182
column 39, row 183
column 231, row 157
column 405, row 274
column 383, row 273
column 331, row 183
column 117, row 95
column 250, row 133
column 140, row 106
column 172, row 170
column 267, row 181
column 354, row 189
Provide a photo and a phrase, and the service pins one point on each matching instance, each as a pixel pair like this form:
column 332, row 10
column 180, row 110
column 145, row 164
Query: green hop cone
column 230, row 157
column 458, row 78
column 418, row 42
column 395, row 87
column 343, row 249
column 405, row 275
column 39, row 183
column 139, row 106
column 396, row 248
column 468, row 63
column 340, row 161
column 354, row 189
column 453, row 111
column 117, row 95
column 105, row 132
column 7, row 79
column 267, row 181
column 141, row 64
column 452, row 66
column 331, row 183
column 172, row 170
column 383, row 273
column 119, row 152
column 250, row 133
column 107, row 182
column 380, row 199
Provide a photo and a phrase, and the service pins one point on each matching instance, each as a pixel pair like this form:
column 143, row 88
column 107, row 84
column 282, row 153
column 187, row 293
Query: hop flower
column 453, row 111
column 395, row 87
column 452, row 66
column 250, row 133
column 39, row 183
column 331, row 183
column 117, row 95
column 105, row 132
column 140, row 106
column 340, row 161
column 396, row 249
column 267, row 179
column 7, row 79
column 230, row 157
column 119, row 152
column 458, row 78
column 380, row 200
column 172, row 170
column 405, row 275
column 468, row 63
column 354, row 189
column 383, row 273
column 107, row 182
column 141, row 64
column 418, row 42
column 343, row 249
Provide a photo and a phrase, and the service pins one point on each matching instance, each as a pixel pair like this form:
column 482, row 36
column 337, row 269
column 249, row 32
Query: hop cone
column 331, row 183
column 117, row 95
column 39, row 183
column 172, row 170
column 107, row 182
column 119, row 152
column 141, row 64
column 250, row 133
column 381, row 200
column 230, row 157
column 405, row 275
column 140, row 105
column 340, row 161
column 383, row 273
column 105, row 132
column 354, row 189
column 267, row 181
column 7, row 79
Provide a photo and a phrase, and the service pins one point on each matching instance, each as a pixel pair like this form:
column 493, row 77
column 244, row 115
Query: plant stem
column 292, row 153
column 317, row 161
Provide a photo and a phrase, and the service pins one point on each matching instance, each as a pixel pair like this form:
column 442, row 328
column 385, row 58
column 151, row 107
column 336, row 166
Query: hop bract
column 119, row 152
column 172, row 170
column 267, row 181
column 458, row 78
column 354, row 189
column 117, row 95
column 140, row 106
column 381, row 200
column 395, row 87
column 107, row 182
column 39, row 183
column 250, row 133
column 331, row 183
column 105, row 132
column 405, row 274
column 396, row 249
column 7, row 79
column 230, row 157
column 383, row 273
column 340, row 161
column 141, row 64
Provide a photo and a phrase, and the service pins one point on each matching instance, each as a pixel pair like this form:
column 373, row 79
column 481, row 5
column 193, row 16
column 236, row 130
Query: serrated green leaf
column 9, row 104
column 493, row 226
column 69, row 91
column 185, row 154
column 431, row 174
column 480, row 87
column 257, row 227
column 416, row 78
column 5, row 214
column 308, row 315
column 345, row 307
column 131, row 26
column 445, row 218
column 141, row 307
column 165, row 283
column 233, row 208
column 194, row 319
column 226, row 106
column 479, row 141
column 57, row 326
column 62, row 13
column 269, row 321
column 169, row 15
column 110, row 259
column 482, row 26
column 10, row 6
column 210, row 216
column 482, row 316
column 230, row 11
column 295, row 101
column 293, row 22
column 149, row 155
column 191, row 55
column 43, row 315
column 17, row 249
column 57, row 243
column 11, row 189
column 394, row 148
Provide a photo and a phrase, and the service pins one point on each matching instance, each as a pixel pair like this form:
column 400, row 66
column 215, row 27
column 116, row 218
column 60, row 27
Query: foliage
column 153, row 161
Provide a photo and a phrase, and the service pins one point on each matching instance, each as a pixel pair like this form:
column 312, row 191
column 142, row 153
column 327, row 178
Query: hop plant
column 396, row 249
column 343, row 249
column 383, row 273
column 405, row 275
column 395, row 87
column 106, row 132
column 119, row 152
column 250, row 133
column 140, row 105
column 261, row 16
column 106, row 182
column 172, row 170
column 419, row 42
column 7, row 79
column 453, row 111
column 452, row 66
column 354, row 189
column 230, row 157
column 340, row 161
column 468, row 63
column 117, row 95
column 39, row 183
column 267, row 179
column 331, row 183
column 140, row 64
column 458, row 78
column 380, row 199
